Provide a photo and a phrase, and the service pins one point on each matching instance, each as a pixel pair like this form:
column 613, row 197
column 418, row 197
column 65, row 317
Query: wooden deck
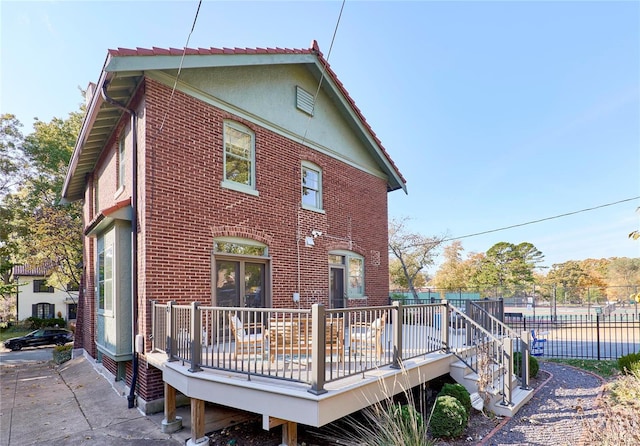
column 292, row 401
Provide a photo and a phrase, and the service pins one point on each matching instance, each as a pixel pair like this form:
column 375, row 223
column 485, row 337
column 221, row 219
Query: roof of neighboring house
column 26, row 270
column 124, row 68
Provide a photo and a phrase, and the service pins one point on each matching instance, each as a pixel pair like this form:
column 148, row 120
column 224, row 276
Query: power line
column 184, row 51
column 541, row 220
column 324, row 68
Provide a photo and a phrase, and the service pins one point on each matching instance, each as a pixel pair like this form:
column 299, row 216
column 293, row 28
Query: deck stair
column 487, row 348
column 464, row 375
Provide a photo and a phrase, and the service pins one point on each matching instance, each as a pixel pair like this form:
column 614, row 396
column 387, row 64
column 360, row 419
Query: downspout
column 134, row 236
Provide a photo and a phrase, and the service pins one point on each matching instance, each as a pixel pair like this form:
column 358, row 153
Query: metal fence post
column 396, row 320
column 196, row 336
column 171, row 339
column 598, row 335
column 318, row 349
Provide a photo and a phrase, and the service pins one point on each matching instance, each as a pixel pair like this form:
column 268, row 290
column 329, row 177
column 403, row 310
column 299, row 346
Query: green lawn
column 13, row 332
column 606, row 368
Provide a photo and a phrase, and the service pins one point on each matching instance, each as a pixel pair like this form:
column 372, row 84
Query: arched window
column 240, row 273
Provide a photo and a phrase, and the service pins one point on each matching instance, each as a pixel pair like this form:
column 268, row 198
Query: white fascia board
column 147, row 63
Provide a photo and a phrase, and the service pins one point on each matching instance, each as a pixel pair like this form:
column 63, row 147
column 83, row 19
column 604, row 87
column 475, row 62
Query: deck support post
column 198, row 438
column 318, row 349
column 289, row 434
column 396, row 320
column 171, row 422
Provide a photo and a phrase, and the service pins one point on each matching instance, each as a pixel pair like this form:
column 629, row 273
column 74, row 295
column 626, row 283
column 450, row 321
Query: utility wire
column 540, row 220
column 184, row 51
column 324, row 69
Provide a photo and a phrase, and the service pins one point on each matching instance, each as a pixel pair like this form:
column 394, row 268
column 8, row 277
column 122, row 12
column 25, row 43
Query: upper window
column 239, row 156
column 121, row 163
column 311, row 186
column 40, row 286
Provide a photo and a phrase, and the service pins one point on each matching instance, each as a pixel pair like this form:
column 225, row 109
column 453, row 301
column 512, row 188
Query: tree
column 568, row 276
column 509, row 266
column 413, row 251
column 39, row 229
column 453, row 272
column 12, row 168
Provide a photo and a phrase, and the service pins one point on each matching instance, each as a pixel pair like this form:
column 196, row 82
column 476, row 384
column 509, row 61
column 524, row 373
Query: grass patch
column 606, row 368
column 13, row 332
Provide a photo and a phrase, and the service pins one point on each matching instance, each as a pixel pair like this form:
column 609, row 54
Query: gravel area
column 555, row 414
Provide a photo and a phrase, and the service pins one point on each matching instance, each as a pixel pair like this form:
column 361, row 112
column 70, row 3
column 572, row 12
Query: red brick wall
column 185, row 202
column 183, row 206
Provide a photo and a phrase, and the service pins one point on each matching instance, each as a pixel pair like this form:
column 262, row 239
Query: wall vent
column 304, row 101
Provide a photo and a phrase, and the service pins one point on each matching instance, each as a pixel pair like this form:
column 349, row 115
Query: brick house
column 242, row 187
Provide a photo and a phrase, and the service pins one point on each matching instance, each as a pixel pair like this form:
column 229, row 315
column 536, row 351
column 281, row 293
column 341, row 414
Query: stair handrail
column 495, row 321
column 505, row 343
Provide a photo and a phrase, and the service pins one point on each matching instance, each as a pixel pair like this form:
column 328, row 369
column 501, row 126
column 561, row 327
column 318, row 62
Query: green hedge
column 534, row 367
column 459, row 392
column 449, row 418
column 35, row 322
column 629, row 363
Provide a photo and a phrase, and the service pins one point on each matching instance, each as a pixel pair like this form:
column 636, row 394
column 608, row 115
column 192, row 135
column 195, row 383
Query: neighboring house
column 241, row 188
column 35, row 298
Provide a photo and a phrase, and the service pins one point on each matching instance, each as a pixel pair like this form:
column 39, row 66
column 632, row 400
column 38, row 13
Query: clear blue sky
column 496, row 113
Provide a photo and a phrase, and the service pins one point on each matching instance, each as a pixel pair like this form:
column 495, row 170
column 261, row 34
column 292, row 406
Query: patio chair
column 367, row 337
column 539, row 341
column 284, row 338
column 249, row 337
column 334, row 338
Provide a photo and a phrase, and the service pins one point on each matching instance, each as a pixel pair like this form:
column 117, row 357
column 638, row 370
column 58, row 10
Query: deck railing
column 313, row 346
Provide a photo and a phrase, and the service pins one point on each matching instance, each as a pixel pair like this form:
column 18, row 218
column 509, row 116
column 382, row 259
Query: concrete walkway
column 41, row 403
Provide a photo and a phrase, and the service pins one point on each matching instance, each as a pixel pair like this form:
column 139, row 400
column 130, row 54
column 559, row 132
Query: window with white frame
column 105, row 272
column 239, row 156
column 121, row 163
column 311, row 186
column 354, row 271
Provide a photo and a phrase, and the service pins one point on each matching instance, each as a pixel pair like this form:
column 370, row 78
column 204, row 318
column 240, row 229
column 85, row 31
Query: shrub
column 534, row 367
column 459, row 392
column 629, row 363
column 34, row 323
column 62, row 353
column 449, row 417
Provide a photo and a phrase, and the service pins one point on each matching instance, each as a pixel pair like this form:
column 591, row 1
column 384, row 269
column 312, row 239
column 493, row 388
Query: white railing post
column 154, row 319
column 444, row 325
column 196, row 336
column 396, row 320
column 507, row 359
column 525, row 341
column 318, row 359
column 171, row 338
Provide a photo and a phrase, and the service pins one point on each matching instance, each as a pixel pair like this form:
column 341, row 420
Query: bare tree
column 414, row 251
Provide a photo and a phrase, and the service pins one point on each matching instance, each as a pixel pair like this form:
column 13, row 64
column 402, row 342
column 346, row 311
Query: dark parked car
column 44, row 336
